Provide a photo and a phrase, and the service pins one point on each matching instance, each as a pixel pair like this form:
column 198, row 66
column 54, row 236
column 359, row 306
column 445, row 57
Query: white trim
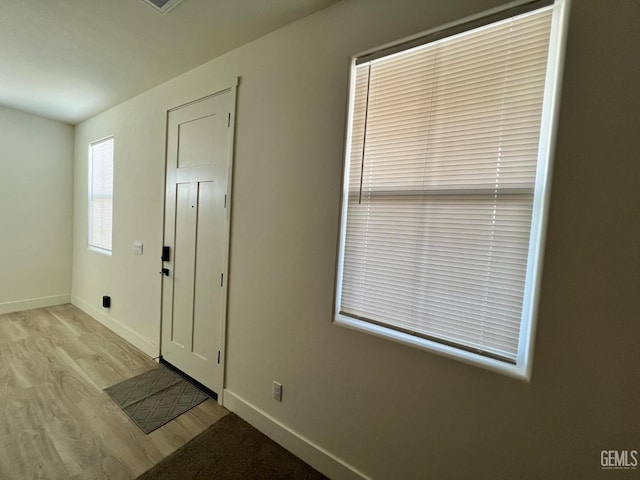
column 31, row 303
column 316, row 456
column 441, row 349
column 99, row 250
column 227, row 234
column 119, row 328
column 550, row 105
column 523, row 368
column 342, row 235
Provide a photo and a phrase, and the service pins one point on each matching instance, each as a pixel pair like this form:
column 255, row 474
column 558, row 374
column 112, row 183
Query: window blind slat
column 444, row 151
column 101, row 194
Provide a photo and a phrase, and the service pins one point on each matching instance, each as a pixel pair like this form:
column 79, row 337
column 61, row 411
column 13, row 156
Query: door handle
column 164, row 271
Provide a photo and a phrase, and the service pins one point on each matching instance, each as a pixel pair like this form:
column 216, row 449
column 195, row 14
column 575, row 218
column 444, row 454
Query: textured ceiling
column 71, row 59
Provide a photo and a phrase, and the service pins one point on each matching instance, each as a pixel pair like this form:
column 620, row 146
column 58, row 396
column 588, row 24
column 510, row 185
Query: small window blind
column 101, row 194
column 441, row 173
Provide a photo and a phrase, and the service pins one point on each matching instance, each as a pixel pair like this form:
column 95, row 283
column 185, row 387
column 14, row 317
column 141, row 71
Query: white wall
column 389, row 411
column 131, row 280
column 36, row 181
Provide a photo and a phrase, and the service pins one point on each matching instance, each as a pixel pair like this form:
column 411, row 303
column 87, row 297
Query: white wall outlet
column 137, row 248
column 277, row 391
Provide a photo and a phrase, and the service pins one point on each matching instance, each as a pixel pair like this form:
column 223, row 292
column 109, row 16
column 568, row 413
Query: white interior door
column 199, row 143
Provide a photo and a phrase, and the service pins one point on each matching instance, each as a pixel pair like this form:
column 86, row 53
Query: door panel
column 183, row 267
column 209, row 265
column 197, row 144
column 196, row 228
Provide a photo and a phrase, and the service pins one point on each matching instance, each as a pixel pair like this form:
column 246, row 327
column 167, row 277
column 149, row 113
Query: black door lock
column 164, row 271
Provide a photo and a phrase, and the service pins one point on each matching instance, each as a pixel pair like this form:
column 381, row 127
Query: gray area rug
column 231, row 449
column 155, row 397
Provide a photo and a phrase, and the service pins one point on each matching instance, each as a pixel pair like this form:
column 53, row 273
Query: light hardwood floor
column 55, row 420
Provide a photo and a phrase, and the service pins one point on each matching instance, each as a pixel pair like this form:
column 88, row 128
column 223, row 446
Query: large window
column 101, row 194
column 445, row 186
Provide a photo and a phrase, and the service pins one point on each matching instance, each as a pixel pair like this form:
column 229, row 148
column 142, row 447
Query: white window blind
column 101, row 194
column 441, row 176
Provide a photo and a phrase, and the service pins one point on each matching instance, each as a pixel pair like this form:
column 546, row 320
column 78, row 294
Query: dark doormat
column 155, row 397
column 231, row 449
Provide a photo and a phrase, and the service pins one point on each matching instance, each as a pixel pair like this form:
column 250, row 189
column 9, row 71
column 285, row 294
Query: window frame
column 90, row 196
column 522, row 369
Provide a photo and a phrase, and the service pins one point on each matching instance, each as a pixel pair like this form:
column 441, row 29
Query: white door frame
column 233, row 89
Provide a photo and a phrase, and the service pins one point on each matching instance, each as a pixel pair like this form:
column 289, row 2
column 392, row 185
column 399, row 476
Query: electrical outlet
column 277, row 391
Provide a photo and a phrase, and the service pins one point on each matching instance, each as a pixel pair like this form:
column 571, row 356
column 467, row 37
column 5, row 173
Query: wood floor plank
column 200, row 416
column 72, row 318
column 68, row 341
column 10, row 329
column 32, row 322
column 173, row 435
column 102, row 370
column 17, row 410
column 77, row 447
column 28, row 364
column 170, row 437
column 68, row 372
column 120, row 436
column 30, row 455
column 7, row 377
column 118, row 354
column 56, row 421
column 108, row 469
column 207, row 410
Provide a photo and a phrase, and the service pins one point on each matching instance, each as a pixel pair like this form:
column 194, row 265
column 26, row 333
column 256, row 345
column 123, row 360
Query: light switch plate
column 137, row 248
column 277, row 391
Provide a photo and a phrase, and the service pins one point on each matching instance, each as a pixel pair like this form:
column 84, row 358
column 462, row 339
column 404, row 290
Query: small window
column 445, row 187
column 101, row 194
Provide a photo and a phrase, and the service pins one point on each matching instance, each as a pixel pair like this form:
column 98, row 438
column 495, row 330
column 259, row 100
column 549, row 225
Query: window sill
column 517, row 371
column 102, row 251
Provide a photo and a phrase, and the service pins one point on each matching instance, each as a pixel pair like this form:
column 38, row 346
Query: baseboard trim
column 316, row 456
column 30, row 304
column 144, row 344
